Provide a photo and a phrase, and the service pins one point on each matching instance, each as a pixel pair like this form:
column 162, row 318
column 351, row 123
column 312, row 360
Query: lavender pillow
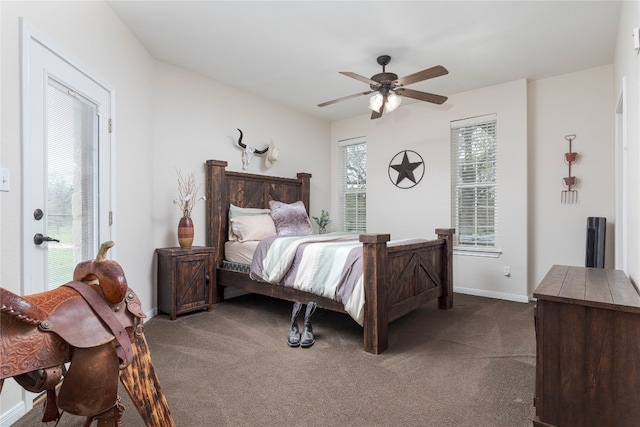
column 290, row 219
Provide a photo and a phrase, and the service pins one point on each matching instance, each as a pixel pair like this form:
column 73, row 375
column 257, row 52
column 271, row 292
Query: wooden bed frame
column 397, row 279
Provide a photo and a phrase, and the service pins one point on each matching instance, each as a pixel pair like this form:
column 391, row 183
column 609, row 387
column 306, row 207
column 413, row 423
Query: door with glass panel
column 67, row 168
column 71, row 193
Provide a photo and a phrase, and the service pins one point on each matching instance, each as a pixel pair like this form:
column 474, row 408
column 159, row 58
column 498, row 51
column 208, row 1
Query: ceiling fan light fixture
column 375, row 102
column 393, row 101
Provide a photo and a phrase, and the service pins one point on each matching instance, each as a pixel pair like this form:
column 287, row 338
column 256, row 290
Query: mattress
column 240, row 252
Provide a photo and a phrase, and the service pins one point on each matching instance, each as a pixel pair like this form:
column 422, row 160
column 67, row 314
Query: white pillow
column 253, row 227
column 235, row 211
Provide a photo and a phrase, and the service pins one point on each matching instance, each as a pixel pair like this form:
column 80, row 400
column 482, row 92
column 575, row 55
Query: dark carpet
column 473, row 365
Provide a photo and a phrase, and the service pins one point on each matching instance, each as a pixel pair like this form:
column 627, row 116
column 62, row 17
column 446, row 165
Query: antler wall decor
column 248, row 152
column 569, row 196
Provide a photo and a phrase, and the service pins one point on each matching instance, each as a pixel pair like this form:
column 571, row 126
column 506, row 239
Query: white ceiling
column 290, row 52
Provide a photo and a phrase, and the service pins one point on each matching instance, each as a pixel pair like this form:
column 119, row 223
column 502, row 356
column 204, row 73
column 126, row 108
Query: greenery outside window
column 353, row 197
column 474, row 183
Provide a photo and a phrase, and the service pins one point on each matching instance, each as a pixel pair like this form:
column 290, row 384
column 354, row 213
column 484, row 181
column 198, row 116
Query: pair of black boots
column 306, row 339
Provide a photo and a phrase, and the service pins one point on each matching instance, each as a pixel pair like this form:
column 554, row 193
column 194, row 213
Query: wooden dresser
column 588, row 349
column 185, row 279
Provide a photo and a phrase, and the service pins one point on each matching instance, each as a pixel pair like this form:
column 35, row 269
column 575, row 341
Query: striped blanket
column 329, row 265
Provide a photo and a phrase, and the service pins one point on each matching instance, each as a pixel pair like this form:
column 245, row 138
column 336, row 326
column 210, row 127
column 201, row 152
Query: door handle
column 39, row 238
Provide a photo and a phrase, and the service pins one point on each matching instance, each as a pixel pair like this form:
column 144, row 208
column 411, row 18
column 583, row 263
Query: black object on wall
column 596, row 231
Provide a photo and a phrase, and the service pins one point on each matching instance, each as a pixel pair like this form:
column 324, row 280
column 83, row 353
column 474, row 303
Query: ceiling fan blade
column 429, row 73
column 421, row 96
column 344, row 98
column 359, row 77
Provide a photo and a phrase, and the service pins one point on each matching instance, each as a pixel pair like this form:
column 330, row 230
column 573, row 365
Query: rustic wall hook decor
column 569, row 195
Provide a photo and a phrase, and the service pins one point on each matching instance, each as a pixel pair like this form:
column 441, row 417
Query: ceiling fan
column 388, row 88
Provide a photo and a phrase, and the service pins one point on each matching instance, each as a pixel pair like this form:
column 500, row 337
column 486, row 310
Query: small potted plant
column 323, row 220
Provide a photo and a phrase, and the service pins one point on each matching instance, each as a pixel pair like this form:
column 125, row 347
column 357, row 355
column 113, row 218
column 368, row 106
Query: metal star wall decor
column 406, row 169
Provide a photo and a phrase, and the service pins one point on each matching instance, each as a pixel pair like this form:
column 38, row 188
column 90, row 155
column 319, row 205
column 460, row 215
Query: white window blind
column 354, row 185
column 474, row 181
column 72, row 187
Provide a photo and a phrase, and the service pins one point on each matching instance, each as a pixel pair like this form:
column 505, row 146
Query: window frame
column 360, row 222
column 484, row 217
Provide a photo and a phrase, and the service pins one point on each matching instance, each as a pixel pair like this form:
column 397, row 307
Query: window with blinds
column 72, row 182
column 354, row 185
column 474, row 181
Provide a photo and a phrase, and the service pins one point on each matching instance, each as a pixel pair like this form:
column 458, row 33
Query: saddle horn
column 245, row 145
column 107, row 274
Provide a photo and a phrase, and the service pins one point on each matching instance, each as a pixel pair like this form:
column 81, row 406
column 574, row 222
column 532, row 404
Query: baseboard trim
column 492, row 294
column 13, row 414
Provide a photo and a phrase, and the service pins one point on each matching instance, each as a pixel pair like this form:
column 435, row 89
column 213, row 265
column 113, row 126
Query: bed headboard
column 247, row 191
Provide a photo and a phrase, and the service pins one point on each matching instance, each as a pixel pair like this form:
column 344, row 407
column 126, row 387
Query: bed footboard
column 399, row 279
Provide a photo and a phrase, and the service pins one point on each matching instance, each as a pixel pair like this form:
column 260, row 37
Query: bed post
column 376, row 317
column 445, row 301
column 217, row 205
column 305, row 190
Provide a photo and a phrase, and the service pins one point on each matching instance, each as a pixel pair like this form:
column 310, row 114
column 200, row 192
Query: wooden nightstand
column 185, row 279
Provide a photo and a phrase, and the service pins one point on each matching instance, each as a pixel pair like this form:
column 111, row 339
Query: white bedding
column 240, row 252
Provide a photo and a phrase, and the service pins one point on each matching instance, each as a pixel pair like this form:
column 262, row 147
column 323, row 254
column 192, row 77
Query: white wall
column 425, row 128
column 627, row 67
column 196, row 119
column 166, row 118
column 581, row 104
column 584, row 104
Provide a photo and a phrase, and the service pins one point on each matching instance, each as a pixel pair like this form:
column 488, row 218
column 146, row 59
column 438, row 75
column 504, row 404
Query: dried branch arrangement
column 187, row 193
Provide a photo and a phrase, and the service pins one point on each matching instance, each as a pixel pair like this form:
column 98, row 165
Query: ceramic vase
column 185, row 232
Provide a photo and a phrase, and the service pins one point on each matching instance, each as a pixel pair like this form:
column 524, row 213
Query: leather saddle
column 90, row 322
